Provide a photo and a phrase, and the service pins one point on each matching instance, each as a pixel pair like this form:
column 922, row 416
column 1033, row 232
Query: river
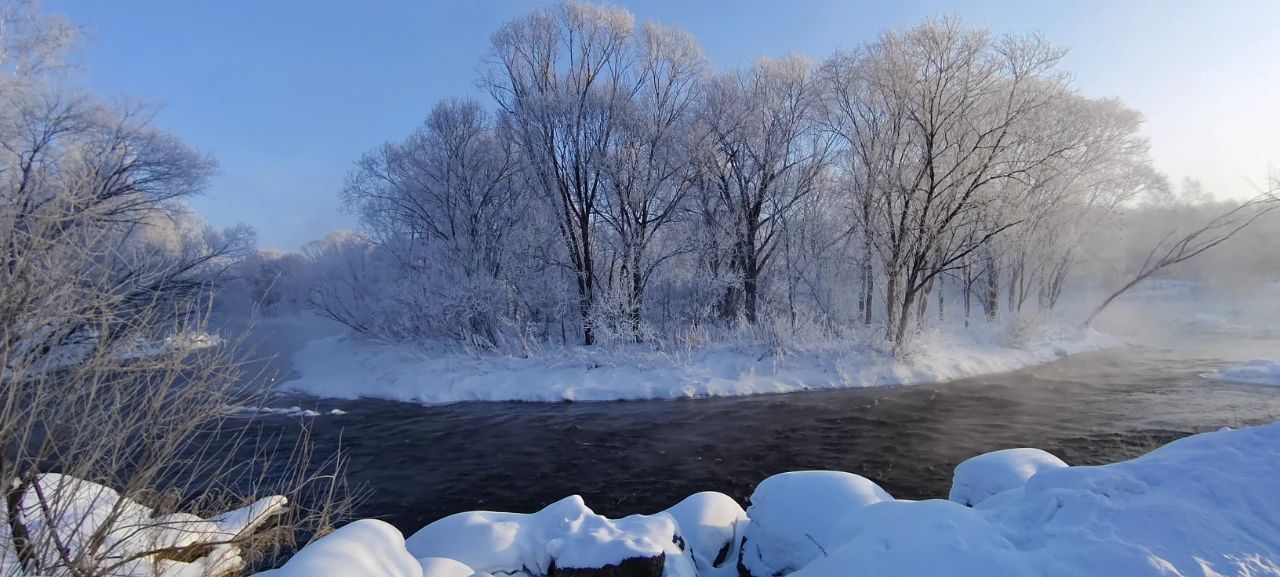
column 419, row 463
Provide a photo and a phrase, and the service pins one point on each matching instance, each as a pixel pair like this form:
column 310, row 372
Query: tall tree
column 764, row 155
column 561, row 76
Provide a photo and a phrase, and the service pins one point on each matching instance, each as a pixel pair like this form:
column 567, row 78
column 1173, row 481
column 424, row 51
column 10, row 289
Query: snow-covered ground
column 345, row 367
column 1258, row 372
column 1204, row 505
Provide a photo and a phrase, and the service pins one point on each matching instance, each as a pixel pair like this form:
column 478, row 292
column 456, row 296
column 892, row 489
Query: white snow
column 95, row 521
column 1258, row 372
column 441, row 567
column 1206, row 505
column 981, row 477
column 799, row 516
column 565, row 533
column 294, row 411
column 365, row 548
column 348, row 368
column 711, row 525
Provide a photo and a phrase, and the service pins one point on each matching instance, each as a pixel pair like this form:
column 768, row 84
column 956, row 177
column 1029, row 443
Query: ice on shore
column 1257, row 372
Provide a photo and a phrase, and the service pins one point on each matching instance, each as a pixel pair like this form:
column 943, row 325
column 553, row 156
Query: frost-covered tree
column 764, row 155
column 561, row 77
column 936, row 117
column 647, row 167
column 444, row 206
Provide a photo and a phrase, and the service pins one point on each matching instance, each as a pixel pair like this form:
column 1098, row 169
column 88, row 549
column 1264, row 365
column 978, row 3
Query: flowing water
column 421, row 463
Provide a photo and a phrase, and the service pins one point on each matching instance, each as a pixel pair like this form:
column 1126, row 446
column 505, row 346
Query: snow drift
column 1204, row 505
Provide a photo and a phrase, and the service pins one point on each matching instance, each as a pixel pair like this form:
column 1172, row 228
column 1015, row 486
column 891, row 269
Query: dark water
column 422, row 463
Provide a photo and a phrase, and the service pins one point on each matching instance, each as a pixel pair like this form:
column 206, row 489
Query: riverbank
column 345, row 367
column 1206, row 504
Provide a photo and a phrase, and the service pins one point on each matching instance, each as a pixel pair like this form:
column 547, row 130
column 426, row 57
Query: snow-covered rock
column 711, row 526
column 1258, row 372
column 564, row 537
column 800, row 516
column 365, row 548
column 981, row 477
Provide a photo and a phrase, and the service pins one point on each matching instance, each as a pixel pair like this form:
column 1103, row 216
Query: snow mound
column 365, row 548
column 441, row 567
column 1204, row 505
column 348, row 368
column 1258, row 372
column 564, row 535
column 711, row 525
column 799, row 516
column 981, row 477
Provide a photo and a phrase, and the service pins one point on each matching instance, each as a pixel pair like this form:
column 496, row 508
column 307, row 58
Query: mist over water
column 422, row 463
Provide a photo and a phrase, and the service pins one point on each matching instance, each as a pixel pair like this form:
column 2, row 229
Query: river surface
column 418, row 464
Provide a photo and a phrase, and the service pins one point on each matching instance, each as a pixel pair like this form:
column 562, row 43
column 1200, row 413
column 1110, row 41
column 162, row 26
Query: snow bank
column 365, row 548
column 343, row 367
column 983, row 476
column 1257, row 372
column 1204, row 505
column 797, row 517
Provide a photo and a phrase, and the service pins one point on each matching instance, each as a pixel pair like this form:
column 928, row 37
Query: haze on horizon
column 288, row 97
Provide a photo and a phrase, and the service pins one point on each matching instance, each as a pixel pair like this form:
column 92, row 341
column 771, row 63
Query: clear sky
column 287, row 93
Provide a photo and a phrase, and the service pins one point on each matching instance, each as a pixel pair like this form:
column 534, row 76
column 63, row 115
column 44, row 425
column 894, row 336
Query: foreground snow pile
column 365, row 548
column 800, row 516
column 1257, row 372
column 1206, row 505
column 90, row 520
column 343, row 367
column 695, row 537
column 987, row 475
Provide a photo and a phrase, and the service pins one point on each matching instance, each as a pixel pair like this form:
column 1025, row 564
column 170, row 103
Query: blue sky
column 287, row 93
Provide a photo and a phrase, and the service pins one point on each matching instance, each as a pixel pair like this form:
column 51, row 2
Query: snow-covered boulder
column 565, row 538
column 711, row 525
column 365, row 548
column 441, row 567
column 984, row 476
column 800, row 516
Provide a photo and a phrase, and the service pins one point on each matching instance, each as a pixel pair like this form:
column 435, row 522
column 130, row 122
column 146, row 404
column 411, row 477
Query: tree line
column 617, row 187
